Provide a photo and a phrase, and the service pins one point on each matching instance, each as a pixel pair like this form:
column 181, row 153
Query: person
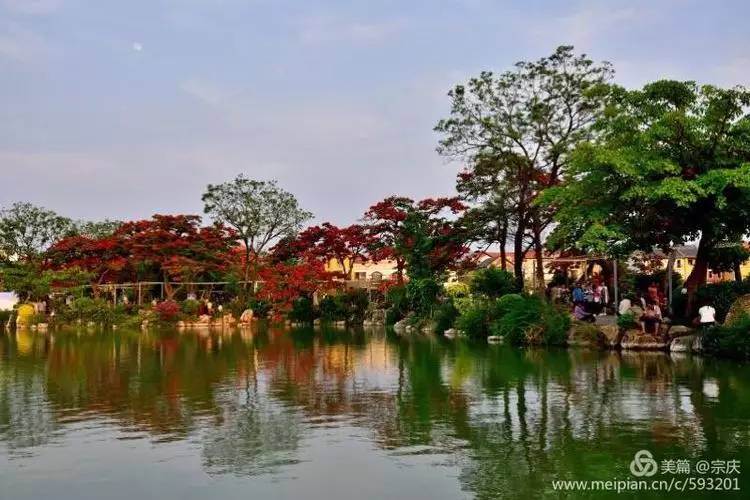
column 624, row 306
column 600, row 296
column 581, row 314
column 707, row 316
column 651, row 318
column 578, row 295
column 653, row 292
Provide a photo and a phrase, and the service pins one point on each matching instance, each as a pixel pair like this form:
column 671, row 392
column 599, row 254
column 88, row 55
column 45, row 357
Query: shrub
column 260, row 307
column 445, row 316
column 332, row 308
column 422, row 295
column 722, row 295
column 356, row 303
column 457, row 289
column 627, row 321
column 4, row 317
column 730, row 340
column 95, row 310
column 475, row 321
column 167, row 311
column 493, row 282
column 530, row 320
column 190, row 307
column 398, row 305
column 302, row 310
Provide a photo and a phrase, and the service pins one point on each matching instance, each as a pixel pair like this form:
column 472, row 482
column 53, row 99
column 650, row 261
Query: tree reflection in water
column 511, row 420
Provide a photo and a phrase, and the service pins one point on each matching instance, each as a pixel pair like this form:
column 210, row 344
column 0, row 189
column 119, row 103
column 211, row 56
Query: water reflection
column 260, row 403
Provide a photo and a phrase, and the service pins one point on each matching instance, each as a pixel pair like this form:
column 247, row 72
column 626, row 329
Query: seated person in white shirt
column 707, row 315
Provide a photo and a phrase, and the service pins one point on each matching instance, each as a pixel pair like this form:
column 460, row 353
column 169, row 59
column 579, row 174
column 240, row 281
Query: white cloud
column 324, row 29
column 31, row 7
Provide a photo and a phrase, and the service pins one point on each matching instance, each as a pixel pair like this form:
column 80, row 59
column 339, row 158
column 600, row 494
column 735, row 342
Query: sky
column 122, row 109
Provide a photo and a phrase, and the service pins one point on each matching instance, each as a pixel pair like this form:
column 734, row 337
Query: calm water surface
column 341, row 415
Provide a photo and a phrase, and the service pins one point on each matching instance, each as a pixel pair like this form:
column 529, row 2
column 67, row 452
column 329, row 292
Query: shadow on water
column 256, row 402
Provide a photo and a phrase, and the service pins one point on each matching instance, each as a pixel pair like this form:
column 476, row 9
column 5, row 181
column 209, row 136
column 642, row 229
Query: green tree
column 259, row 211
column 671, row 164
column 728, row 257
column 516, row 130
column 27, row 230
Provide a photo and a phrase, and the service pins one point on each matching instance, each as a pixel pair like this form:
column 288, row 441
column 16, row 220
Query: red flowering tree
column 177, row 247
column 419, row 235
column 345, row 245
column 283, row 283
column 105, row 259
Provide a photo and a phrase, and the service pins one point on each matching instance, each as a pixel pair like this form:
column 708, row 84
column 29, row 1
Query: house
column 684, row 262
column 574, row 266
column 367, row 270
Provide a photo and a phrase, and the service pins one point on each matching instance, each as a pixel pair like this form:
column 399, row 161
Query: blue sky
column 121, row 109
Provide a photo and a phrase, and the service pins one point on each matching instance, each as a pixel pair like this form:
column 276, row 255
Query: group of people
column 590, row 299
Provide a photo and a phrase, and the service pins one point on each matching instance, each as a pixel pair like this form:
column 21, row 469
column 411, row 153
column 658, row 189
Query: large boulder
column 687, row 343
column 612, row 335
column 639, row 341
column 740, row 307
column 680, row 331
column 585, row 335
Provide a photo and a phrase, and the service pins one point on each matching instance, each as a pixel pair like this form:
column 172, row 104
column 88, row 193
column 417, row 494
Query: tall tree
column 345, row 245
column 177, row 247
column 260, row 212
column 385, row 221
column 672, row 165
column 524, row 122
column 27, row 230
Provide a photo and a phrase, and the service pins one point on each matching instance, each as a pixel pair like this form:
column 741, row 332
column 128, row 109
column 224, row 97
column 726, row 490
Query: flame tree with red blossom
column 345, row 245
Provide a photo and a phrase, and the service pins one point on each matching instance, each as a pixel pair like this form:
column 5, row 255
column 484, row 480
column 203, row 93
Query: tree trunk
column 738, row 272
column 697, row 277
column 539, row 256
column 503, row 239
column 518, row 254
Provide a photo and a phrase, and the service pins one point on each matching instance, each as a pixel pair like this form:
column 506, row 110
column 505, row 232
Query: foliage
column 332, row 308
column 106, row 258
column 260, row 212
column 627, row 321
column 398, row 304
column 5, row 316
column 475, row 321
column 445, row 316
column 670, row 165
column 722, row 295
column 493, row 282
column 530, row 320
column 302, row 310
column 95, row 229
column 260, row 307
column 422, row 295
column 27, row 230
column 732, row 341
column 30, row 282
column 344, row 245
column 190, row 308
column 94, row 310
column 728, row 258
column 457, row 289
column 177, row 247
column 516, row 130
column 284, row 282
column 167, row 311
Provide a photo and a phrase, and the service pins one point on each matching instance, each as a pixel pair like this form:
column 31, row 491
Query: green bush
column 475, row 321
column 190, row 308
column 627, row 321
column 422, row 296
column 332, row 308
column 398, row 305
column 4, row 317
column 493, row 282
column 731, row 341
column 445, row 316
column 260, row 308
column 95, row 310
column 302, row 310
column 530, row 320
column 722, row 295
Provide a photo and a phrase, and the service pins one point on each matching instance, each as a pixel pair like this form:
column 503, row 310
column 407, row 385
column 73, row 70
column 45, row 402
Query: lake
column 335, row 414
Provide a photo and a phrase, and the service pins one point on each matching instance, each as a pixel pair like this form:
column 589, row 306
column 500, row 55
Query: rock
column 246, row 316
column 316, row 321
column 612, row 335
column 180, row 324
column 585, row 335
column 400, row 326
column 680, row 331
column 636, row 340
column 428, row 327
column 687, row 343
column 495, row 339
column 339, row 324
column 740, row 307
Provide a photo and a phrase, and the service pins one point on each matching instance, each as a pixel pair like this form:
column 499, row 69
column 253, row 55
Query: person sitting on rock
column 581, row 314
column 651, row 318
column 707, row 315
